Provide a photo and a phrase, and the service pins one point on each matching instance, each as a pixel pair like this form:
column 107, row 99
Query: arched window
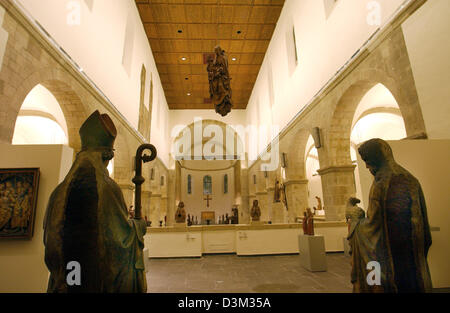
column 207, row 185
column 225, row 184
column 189, row 184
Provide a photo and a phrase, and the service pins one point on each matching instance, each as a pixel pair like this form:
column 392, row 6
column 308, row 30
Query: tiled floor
column 260, row 274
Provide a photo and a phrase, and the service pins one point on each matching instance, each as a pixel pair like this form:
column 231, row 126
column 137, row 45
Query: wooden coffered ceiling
column 181, row 32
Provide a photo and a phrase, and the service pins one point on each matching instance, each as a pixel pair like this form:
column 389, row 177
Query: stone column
column 261, row 196
column 244, row 208
column 297, row 198
column 128, row 193
column 163, row 211
column 171, row 198
column 146, row 203
column 251, row 198
column 272, row 215
column 338, row 185
column 155, row 207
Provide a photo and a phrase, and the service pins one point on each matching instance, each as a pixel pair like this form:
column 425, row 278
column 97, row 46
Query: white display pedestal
column 312, row 253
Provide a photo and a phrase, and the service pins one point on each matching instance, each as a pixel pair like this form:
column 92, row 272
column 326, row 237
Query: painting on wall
column 18, row 198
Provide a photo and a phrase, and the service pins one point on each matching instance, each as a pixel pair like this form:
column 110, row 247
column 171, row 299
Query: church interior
column 257, row 110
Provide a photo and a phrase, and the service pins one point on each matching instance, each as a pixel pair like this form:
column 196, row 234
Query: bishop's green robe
column 87, row 222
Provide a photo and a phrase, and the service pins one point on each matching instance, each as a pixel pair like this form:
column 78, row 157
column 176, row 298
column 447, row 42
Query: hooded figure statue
column 395, row 233
column 87, row 222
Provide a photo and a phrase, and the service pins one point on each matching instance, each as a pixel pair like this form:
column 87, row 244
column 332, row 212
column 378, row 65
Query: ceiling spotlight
column 183, row 59
column 188, row 93
column 233, row 59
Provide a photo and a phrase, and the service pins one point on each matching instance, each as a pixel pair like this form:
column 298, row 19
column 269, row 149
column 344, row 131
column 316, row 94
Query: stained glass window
column 225, row 184
column 207, row 185
column 189, row 184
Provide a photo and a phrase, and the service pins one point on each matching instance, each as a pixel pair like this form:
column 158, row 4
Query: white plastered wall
column 22, row 267
column 427, row 39
column 95, row 40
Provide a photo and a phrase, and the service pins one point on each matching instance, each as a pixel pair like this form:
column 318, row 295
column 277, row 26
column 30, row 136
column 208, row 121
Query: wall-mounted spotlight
column 283, row 160
column 316, row 136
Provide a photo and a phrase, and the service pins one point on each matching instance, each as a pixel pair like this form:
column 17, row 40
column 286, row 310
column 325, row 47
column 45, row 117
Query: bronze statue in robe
column 277, row 192
column 219, row 82
column 235, row 217
column 180, row 214
column 87, row 222
column 255, row 212
column 395, row 233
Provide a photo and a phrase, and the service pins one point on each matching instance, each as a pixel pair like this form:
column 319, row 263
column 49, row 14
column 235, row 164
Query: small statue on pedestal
column 305, row 223
column 180, row 214
column 255, row 212
column 308, row 222
column 319, row 209
column 131, row 212
column 277, row 192
column 353, row 213
column 235, row 217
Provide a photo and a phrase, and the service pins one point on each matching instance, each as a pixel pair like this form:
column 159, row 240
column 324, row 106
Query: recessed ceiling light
column 233, row 59
column 183, row 59
column 239, row 32
column 186, row 78
column 180, row 31
column 188, row 93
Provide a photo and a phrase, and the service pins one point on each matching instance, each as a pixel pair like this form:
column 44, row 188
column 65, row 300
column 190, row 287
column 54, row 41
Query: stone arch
column 122, row 157
column 338, row 141
column 61, row 85
column 295, row 151
column 237, row 140
column 123, row 165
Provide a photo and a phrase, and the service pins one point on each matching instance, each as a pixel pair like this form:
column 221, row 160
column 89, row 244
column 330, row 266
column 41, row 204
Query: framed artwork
column 18, row 198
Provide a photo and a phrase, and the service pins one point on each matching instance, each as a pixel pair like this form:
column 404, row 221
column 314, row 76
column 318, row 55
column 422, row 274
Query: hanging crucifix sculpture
column 207, row 199
column 219, row 82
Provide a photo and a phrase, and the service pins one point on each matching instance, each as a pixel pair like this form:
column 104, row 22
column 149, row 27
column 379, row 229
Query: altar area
column 241, row 239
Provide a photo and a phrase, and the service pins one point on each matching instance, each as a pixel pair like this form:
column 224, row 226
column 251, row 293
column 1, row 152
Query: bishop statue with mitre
column 87, row 222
